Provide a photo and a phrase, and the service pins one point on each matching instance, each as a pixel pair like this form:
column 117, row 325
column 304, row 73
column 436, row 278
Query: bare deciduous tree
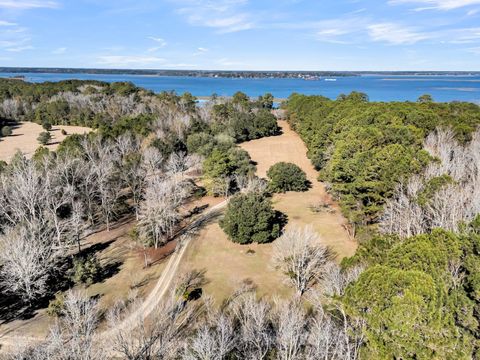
column 73, row 336
column 292, row 330
column 299, row 254
column 452, row 203
column 256, row 328
column 24, row 193
column 159, row 211
column 214, row 340
column 158, row 337
column 26, row 259
column 103, row 157
column 133, row 171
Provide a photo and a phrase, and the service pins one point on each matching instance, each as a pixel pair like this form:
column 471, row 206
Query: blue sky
column 242, row 34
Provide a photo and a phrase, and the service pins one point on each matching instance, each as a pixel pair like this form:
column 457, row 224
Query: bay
column 378, row 87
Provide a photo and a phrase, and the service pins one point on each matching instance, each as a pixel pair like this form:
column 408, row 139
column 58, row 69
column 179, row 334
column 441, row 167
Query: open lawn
column 227, row 265
column 24, row 138
column 288, row 147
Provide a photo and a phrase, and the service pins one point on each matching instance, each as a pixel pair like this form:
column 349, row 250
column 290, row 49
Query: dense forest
column 407, row 177
column 364, row 150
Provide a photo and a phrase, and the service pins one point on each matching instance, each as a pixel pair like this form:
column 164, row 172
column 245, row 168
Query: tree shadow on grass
column 12, row 307
column 95, row 248
column 109, row 270
column 281, row 219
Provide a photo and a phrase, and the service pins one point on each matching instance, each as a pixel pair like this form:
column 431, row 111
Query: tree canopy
column 287, row 177
column 365, row 149
column 250, row 218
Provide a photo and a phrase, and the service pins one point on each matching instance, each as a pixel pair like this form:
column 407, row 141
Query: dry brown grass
column 227, row 264
column 289, row 147
column 24, row 138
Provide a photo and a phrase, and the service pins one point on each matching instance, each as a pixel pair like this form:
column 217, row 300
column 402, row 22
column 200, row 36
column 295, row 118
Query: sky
column 242, row 34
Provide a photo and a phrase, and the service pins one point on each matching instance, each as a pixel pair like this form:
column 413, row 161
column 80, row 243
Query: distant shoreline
column 308, row 75
column 208, row 98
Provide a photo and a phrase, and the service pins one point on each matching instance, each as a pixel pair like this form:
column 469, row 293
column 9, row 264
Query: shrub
column 56, row 306
column 44, row 138
column 6, row 131
column 287, row 177
column 40, row 154
column 201, row 143
column 47, row 126
column 425, row 98
column 85, row 270
column 251, row 218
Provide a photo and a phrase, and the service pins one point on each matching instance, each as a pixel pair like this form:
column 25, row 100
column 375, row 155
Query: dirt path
column 289, row 147
column 162, row 287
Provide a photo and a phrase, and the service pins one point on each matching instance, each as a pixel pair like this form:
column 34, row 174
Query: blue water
column 378, row 87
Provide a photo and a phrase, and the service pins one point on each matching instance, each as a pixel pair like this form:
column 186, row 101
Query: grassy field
column 24, row 138
column 227, row 265
column 289, row 147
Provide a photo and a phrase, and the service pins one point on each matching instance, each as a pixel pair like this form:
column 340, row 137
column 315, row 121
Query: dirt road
column 162, row 287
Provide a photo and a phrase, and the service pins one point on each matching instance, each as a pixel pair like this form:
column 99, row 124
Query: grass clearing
column 228, row 264
column 289, row 147
column 24, row 138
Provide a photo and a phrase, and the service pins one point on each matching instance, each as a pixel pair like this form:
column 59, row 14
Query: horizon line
column 3, row 68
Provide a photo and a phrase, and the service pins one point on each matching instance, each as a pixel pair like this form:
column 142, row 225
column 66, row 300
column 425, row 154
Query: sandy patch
column 24, row 138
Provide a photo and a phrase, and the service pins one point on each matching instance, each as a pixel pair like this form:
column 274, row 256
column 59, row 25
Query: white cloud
column 19, row 48
column 463, row 36
column 180, row 65
column 341, row 30
column 475, row 50
column 15, row 40
column 230, row 24
column 225, row 16
column 395, row 34
column 7, row 23
column 154, row 49
column 130, row 60
column 161, row 42
column 437, row 4
column 27, row 4
column 59, row 51
column 200, row 51
column 229, row 63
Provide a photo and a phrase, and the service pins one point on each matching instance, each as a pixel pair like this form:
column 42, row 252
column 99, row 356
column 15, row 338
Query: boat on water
column 330, row 79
